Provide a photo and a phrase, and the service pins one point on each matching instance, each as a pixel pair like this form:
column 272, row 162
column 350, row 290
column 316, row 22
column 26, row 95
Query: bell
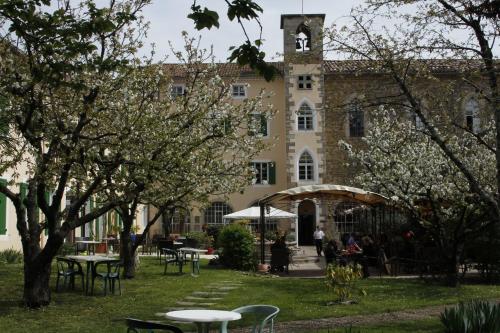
column 308, row 43
column 297, row 44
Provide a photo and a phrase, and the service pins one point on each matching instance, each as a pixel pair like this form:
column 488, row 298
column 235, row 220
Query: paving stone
column 203, row 298
column 209, row 293
column 184, row 303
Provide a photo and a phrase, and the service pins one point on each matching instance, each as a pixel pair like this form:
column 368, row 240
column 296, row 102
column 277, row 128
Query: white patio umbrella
column 253, row 213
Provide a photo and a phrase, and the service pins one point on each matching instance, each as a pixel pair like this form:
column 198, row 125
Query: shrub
column 472, row 317
column 201, row 238
column 236, row 245
column 342, row 279
column 66, row 248
column 213, row 231
column 11, row 256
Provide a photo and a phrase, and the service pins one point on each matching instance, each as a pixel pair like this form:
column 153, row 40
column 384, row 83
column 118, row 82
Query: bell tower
column 304, row 91
column 303, row 37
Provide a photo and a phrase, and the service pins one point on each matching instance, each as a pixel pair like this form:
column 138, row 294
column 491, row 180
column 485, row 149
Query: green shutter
column 3, row 210
column 23, row 192
column 91, row 223
column 263, row 124
column 227, row 125
column 97, row 227
column 272, row 173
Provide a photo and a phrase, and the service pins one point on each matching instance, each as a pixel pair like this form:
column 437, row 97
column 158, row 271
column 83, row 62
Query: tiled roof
column 340, row 67
column 225, row 69
column 369, row 67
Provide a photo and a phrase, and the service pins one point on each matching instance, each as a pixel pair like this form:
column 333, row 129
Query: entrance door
column 307, row 221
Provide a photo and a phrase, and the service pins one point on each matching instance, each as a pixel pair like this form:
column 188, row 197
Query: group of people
column 364, row 254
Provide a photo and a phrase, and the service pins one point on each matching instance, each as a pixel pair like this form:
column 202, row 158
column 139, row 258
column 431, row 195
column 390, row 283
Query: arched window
column 303, row 38
column 472, row 121
column 356, row 119
column 306, row 166
column 214, row 213
column 305, row 118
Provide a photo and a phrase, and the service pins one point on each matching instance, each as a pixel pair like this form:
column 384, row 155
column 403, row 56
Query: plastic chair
column 135, row 325
column 172, row 257
column 263, row 316
column 68, row 269
column 108, row 276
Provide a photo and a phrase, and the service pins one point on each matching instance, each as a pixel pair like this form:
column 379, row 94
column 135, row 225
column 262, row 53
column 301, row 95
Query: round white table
column 203, row 318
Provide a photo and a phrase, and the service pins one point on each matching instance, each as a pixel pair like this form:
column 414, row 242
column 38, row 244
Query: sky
column 168, row 18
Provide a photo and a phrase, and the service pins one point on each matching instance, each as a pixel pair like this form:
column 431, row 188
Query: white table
column 90, row 261
column 194, row 252
column 203, row 318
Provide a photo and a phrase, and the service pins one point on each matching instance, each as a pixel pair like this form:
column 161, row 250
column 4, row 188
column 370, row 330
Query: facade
column 319, row 102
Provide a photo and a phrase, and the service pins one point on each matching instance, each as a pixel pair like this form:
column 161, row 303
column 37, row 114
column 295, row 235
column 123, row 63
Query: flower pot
column 100, row 248
column 263, row 268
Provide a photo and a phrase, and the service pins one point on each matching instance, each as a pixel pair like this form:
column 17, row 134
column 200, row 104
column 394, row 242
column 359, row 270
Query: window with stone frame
column 306, row 167
column 304, row 81
column 177, row 90
column 213, row 214
column 238, row 91
column 305, row 118
column 257, row 124
column 264, row 173
column 356, row 119
column 472, row 120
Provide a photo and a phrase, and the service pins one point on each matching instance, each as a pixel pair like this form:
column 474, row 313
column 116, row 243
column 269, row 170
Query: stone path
column 211, row 295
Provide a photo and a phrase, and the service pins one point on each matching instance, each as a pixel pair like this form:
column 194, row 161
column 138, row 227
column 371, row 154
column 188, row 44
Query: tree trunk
column 128, row 255
column 36, row 284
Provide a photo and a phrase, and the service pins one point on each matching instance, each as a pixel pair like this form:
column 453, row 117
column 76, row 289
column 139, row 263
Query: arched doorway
column 307, row 221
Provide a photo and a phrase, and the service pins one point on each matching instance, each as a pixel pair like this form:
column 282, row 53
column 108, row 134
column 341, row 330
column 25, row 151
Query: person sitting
column 331, row 250
column 353, row 247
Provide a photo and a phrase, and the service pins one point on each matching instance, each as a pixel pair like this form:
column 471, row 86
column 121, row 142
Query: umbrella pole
column 262, row 232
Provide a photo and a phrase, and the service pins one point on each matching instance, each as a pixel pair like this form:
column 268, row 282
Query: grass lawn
column 152, row 292
column 421, row 326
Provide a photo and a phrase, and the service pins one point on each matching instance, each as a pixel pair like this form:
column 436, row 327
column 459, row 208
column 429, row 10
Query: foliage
column 249, row 52
column 66, row 248
column 213, row 231
column 237, row 247
column 343, row 280
column 271, row 235
column 476, row 316
column 11, row 256
column 431, row 158
column 202, row 239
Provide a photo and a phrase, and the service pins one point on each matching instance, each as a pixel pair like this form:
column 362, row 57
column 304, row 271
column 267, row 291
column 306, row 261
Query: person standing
column 318, row 240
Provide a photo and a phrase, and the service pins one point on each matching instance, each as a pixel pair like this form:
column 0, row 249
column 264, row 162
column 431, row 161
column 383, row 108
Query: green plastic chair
column 136, row 326
column 263, row 317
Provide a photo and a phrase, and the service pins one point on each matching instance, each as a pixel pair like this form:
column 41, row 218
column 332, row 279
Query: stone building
column 318, row 102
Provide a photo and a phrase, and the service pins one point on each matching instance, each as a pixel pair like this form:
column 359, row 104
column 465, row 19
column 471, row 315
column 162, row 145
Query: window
column 145, row 216
column 356, row 119
column 472, row 121
column 305, row 118
column 265, row 173
column 177, row 90
column 306, row 167
column 214, row 213
column 305, row 81
column 257, row 124
column 239, row 91
column 302, row 38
